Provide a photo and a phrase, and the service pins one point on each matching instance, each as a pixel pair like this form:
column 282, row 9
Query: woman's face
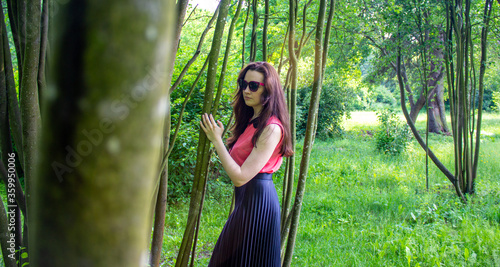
column 253, row 99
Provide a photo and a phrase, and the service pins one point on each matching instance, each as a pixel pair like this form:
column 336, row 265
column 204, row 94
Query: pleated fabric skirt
column 251, row 235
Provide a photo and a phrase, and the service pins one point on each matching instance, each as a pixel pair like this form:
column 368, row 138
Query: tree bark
column 309, row 135
column 14, row 111
column 162, row 188
column 29, row 100
column 101, row 138
column 255, row 24
column 264, row 31
column 203, row 143
column 488, row 6
column 43, row 49
column 292, row 104
column 8, row 260
column 243, row 61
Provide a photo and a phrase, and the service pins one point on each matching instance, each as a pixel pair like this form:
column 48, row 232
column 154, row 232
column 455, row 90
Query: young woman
column 260, row 139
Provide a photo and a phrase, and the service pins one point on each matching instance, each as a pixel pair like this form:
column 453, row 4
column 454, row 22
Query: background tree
column 462, row 86
column 424, row 64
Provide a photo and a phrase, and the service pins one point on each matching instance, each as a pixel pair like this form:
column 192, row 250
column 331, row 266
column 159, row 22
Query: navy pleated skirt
column 251, row 235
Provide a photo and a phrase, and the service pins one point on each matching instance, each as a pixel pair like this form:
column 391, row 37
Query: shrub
column 334, row 104
column 496, row 101
column 392, row 135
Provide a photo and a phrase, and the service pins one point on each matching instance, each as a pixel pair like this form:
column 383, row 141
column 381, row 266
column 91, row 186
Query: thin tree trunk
column 8, row 252
column 196, row 53
column 215, row 108
column 282, row 49
column 488, row 6
column 309, row 137
column 255, row 24
column 292, row 87
column 243, row 61
column 12, row 7
column 225, row 61
column 9, row 258
column 43, row 48
column 160, row 205
column 264, row 31
column 433, row 157
column 203, row 144
column 100, row 149
column 14, row 111
column 181, row 112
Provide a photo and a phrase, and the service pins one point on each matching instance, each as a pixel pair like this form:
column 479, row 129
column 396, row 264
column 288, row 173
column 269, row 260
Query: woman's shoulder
column 274, row 120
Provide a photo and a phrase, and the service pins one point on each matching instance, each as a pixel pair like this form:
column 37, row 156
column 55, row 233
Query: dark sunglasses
column 254, row 86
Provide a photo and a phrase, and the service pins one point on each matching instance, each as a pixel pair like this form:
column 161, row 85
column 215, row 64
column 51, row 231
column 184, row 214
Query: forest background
column 373, row 198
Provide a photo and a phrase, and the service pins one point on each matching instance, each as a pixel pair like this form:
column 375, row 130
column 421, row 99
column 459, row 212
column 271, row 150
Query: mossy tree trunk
column 102, row 133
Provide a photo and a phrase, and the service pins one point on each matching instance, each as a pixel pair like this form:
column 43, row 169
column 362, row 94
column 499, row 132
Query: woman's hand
column 212, row 129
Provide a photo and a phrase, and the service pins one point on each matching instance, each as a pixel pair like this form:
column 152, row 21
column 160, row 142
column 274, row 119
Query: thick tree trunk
column 102, row 135
column 437, row 115
column 29, row 102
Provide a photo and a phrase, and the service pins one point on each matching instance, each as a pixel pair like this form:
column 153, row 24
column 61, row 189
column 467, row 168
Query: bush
column 392, row 135
column 496, row 101
column 334, row 104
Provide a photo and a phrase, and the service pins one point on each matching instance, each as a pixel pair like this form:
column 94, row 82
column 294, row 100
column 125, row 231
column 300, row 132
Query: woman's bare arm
column 260, row 155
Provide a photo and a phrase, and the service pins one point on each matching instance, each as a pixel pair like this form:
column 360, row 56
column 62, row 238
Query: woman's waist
column 263, row 176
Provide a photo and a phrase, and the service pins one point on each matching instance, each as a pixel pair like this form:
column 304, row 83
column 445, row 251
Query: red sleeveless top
column 243, row 146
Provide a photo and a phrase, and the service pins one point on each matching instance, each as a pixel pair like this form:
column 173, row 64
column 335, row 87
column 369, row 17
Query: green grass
column 364, row 208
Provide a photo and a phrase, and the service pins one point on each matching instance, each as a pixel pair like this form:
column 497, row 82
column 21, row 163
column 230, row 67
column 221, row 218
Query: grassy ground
column 363, row 208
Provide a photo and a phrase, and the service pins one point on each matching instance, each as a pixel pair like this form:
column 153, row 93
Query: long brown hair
column 273, row 104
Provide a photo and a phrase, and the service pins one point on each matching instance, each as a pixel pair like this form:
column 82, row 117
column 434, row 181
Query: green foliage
column 337, row 99
column 330, row 113
column 392, row 135
column 496, row 101
column 491, row 99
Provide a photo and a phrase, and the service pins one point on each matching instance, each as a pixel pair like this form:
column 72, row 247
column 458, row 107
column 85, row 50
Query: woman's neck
column 256, row 113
